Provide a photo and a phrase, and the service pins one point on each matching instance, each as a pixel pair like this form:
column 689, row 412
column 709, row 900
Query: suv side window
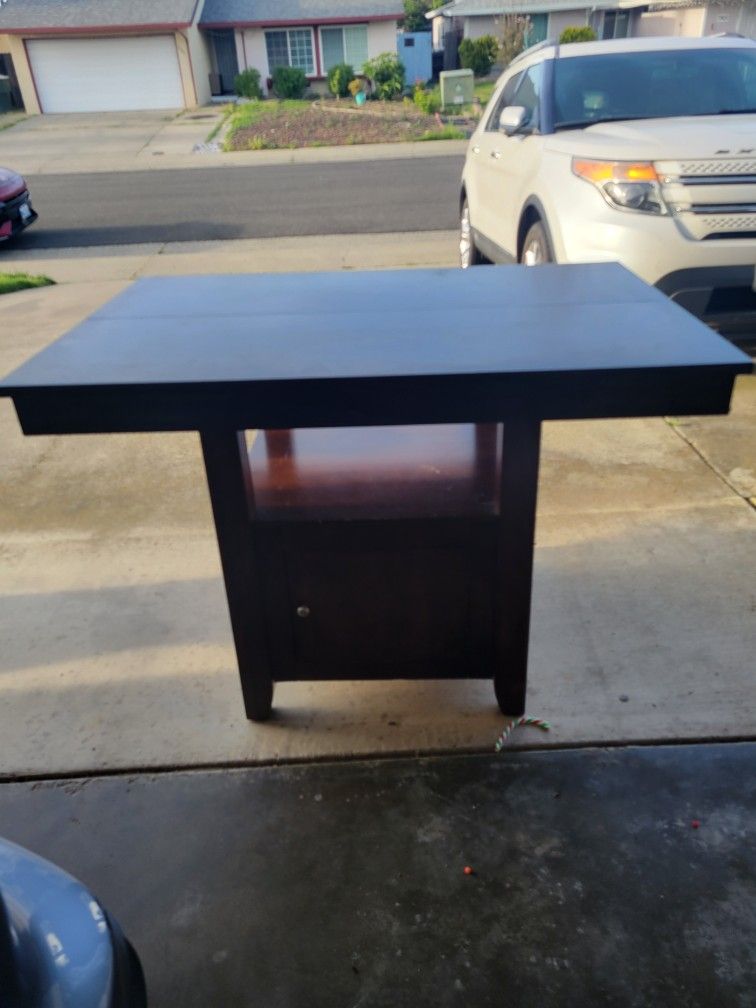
column 528, row 94
column 505, row 98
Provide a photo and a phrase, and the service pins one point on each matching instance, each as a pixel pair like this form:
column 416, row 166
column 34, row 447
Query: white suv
column 639, row 150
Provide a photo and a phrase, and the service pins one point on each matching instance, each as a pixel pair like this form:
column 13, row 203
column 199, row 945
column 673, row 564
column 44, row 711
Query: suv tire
column 536, row 248
column 469, row 253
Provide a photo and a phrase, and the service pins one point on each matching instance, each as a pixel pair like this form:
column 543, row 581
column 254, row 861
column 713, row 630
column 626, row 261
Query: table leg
column 519, row 492
column 231, row 495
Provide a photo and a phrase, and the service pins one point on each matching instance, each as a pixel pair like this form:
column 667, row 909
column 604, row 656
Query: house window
column 344, row 45
column 615, row 24
column 291, row 48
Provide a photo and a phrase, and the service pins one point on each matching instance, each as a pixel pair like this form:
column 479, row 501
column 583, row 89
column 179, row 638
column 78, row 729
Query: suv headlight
column 627, row 185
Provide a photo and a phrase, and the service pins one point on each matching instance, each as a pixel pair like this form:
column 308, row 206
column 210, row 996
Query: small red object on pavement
column 695, row 823
column 468, row 870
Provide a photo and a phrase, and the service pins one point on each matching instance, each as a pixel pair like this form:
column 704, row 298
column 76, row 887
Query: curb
column 154, row 161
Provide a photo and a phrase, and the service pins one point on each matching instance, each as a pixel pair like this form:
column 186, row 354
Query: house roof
column 62, row 16
column 254, row 13
column 478, row 8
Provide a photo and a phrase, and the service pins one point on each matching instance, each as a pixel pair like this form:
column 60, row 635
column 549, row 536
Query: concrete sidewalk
column 250, row 255
column 116, row 643
column 149, row 141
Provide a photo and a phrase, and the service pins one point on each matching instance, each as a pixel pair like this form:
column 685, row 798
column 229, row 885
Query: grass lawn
column 484, row 90
column 10, row 282
column 242, row 119
column 444, row 133
column 271, row 124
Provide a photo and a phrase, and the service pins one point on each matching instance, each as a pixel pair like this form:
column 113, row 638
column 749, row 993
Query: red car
column 16, row 211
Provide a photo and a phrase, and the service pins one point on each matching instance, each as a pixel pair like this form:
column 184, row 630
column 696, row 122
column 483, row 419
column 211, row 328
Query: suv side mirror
column 512, row 119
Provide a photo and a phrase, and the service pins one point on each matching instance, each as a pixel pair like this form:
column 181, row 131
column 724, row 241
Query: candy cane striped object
column 515, row 723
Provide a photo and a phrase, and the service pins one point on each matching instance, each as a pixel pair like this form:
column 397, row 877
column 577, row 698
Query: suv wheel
column 535, row 248
column 469, row 254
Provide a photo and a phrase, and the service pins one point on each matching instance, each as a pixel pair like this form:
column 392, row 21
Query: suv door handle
column 476, row 149
column 496, row 154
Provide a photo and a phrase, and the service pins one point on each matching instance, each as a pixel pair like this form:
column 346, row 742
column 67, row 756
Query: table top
column 343, row 349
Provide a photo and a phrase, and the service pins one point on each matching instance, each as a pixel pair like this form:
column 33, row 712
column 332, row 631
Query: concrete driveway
column 47, row 143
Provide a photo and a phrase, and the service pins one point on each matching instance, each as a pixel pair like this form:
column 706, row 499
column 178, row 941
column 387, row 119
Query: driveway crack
column 675, row 425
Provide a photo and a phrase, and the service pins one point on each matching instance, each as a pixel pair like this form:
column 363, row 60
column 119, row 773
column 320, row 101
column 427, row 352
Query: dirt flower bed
column 270, row 124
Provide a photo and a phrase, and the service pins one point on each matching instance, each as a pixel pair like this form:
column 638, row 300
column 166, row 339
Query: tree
column 414, row 14
column 513, row 35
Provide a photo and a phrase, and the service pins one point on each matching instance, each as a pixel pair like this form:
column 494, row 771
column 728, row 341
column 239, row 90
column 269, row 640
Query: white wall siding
column 253, row 47
column 240, row 60
column 559, row 20
column 438, row 32
column 747, row 22
column 686, row 21
column 199, row 50
column 381, row 37
column 476, row 27
column 727, row 18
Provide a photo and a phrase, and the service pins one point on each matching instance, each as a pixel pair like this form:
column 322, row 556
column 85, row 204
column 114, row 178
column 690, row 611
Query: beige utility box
column 457, row 87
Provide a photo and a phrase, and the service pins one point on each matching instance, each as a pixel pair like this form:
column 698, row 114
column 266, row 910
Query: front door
column 7, row 70
column 537, row 29
column 224, row 44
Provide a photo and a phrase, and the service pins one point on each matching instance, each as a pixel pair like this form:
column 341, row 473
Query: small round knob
column 303, row 611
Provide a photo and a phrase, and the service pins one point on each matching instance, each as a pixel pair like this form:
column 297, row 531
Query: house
column 313, row 35
column 105, row 55
column 608, row 18
column 108, row 55
column 548, row 18
column 696, row 19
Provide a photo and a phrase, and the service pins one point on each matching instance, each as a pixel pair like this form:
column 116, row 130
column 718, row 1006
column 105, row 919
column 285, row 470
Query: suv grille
column 729, row 222
column 718, row 166
column 713, row 198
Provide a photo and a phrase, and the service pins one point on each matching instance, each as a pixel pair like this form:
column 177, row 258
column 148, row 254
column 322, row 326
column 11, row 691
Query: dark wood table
column 383, row 524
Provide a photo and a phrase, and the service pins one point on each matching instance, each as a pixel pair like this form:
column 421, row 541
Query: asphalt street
column 228, row 203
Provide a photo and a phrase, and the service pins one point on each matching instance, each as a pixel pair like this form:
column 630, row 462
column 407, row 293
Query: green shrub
column 428, row 102
column 582, row 34
column 479, row 54
column 247, row 84
column 387, row 74
column 289, row 82
column 339, row 77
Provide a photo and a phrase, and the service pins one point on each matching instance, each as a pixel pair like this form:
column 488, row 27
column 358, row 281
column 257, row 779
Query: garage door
column 106, row 74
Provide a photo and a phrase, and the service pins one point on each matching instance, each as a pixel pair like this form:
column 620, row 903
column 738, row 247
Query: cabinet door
column 389, row 610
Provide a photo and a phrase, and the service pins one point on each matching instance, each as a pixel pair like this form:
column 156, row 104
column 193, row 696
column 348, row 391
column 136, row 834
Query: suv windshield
column 653, row 85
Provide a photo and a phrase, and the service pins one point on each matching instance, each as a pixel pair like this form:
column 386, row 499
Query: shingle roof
column 63, row 15
column 475, row 8
column 249, row 12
